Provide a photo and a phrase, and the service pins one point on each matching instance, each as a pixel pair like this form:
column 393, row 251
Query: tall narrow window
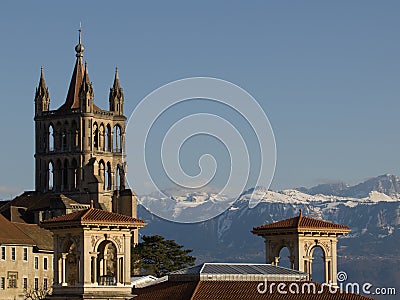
column 36, row 284
column 117, row 139
column 95, row 136
column 65, row 175
column 102, row 173
column 25, row 254
column 3, row 252
column 118, row 178
column 108, row 142
column 45, row 263
column 64, row 143
column 2, row 283
column 45, row 284
column 36, row 263
column 51, row 176
column 51, row 138
column 25, row 283
column 12, row 253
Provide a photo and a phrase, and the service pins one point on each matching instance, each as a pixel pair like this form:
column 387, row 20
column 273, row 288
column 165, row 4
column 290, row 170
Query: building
column 26, row 259
column 92, row 254
column 79, row 152
column 225, row 281
column 302, row 235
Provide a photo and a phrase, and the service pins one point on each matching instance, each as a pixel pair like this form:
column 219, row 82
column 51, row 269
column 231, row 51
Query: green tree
column 158, row 256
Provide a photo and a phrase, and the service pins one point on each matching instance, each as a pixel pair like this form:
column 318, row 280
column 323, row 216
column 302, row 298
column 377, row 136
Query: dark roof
column 42, row 238
column 94, row 215
column 302, row 222
column 232, row 290
column 25, row 234
column 11, row 234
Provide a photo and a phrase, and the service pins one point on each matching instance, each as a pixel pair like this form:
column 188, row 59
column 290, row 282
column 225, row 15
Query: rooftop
column 301, row 222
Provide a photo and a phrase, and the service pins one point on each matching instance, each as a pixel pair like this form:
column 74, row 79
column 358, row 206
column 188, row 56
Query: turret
column 42, row 96
column 86, row 94
column 116, row 97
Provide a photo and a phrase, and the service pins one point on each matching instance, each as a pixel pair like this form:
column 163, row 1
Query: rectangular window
column 36, row 263
column 45, row 263
column 45, row 284
column 2, row 283
column 25, row 254
column 12, row 253
column 12, row 279
column 25, row 283
column 3, row 252
column 36, row 284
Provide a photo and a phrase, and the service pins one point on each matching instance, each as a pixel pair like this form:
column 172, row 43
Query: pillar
column 64, row 269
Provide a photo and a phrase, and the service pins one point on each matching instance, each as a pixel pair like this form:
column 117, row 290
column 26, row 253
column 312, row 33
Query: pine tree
column 157, row 256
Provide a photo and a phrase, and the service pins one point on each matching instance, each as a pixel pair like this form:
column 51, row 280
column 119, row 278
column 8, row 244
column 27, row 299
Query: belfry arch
column 302, row 235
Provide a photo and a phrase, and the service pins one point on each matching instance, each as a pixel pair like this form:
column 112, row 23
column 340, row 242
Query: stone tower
column 79, row 149
column 302, row 235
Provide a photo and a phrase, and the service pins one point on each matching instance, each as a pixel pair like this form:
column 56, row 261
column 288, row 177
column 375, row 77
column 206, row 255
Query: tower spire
column 116, row 97
column 42, row 97
column 79, row 49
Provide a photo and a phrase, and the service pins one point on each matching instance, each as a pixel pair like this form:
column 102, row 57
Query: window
column 12, row 279
column 25, row 254
column 45, row 284
column 45, row 263
column 25, row 283
column 12, row 253
column 3, row 253
column 2, row 283
column 36, row 263
column 36, row 284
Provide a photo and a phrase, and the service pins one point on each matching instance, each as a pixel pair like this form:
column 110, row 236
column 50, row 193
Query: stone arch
column 102, row 173
column 70, row 265
column 74, row 174
column 107, row 263
column 108, row 183
column 50, row 137
column 108, row 138
column 95, row 136
column 117, row 138
column 50, row 176
column 102, row 137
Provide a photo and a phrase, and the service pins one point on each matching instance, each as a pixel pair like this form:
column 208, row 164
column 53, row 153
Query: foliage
column 157, row 256
column 32, row 294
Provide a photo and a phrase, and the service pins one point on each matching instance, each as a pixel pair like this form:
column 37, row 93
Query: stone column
column 64, row 269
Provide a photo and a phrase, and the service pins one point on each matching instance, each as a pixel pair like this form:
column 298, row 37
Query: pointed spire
column 42, row 96
column 116, row 97
column 42, row 89
column 86, row 85
column 116, row 84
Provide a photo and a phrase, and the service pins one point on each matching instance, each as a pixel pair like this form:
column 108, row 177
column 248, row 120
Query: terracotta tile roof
column 226, row 290
column 166, row 291
column 301, row 222
column 233, row 290
column 11, row 234
column 94, row 215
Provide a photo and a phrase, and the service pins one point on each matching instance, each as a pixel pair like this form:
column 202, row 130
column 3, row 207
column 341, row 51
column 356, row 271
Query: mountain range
column 370, row 253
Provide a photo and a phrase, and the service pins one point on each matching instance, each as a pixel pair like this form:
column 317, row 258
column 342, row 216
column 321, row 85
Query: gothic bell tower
column 79, row 147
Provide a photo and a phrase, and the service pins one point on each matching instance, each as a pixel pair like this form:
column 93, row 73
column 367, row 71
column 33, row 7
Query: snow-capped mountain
column 371, row 210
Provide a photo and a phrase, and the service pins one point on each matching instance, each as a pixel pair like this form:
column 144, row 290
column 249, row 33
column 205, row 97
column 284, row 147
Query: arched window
column 108, row 177
column 317, row 267
column 284, row 258
column 51, row 138
column 118, row 178
column 117, row 139
column 107, row 267
column 74, row 175
column 65, row 176
column 74, row 135
column 102, row 137
column 108, row 141
column 51, row 176
column 95, row 136
column 102, row 173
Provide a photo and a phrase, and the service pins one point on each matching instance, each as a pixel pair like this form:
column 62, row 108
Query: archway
column 284, row 258
column 317, row 268
column 51, row 138
column 107, row 270
column 50, row 177
column 70, row 264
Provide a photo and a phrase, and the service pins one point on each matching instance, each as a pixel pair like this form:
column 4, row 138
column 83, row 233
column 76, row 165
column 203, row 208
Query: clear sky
column 325, row 72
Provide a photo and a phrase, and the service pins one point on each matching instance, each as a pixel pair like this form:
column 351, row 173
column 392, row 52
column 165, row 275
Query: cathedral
column 79, row 152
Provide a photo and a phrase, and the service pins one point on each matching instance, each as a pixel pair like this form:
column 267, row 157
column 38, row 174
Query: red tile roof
column 10, row 234
column 233, row 290
column 92, row 215
column 301, row 222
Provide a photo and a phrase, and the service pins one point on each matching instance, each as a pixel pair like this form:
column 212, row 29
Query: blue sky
column 325, row 72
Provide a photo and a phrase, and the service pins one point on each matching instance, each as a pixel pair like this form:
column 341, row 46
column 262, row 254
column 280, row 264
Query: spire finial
column 79, row 48
column 91, row 204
